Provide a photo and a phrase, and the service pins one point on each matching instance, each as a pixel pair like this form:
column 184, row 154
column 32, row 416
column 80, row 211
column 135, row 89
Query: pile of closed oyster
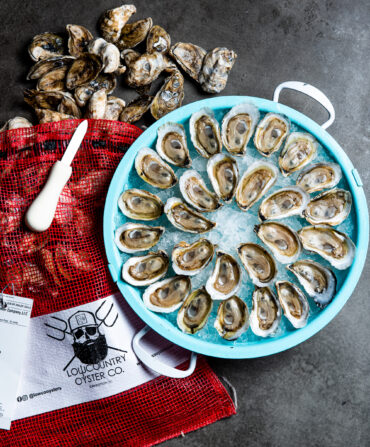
column 279, row 242
column 77, row 76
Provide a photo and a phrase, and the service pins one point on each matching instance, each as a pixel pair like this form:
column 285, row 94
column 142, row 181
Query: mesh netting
column 65, row 267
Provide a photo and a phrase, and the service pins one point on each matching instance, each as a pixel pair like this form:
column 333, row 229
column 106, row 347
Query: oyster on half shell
column 266, row 312
column 194, row 312
column 270, row 133
column 225, row 279
column 167, row 295
column 294, row 303
column 153, row 170
column 258, row 263
column 133, row 237
column 284, row 202
column 140, row 204
column 316, row 177
column 190, row 259
column 223, row 173
column 145, row 270
column 299, row 149
column 185, row 218
column 171, row 144
column 232, row 318
column 205, row 133
column 196, row 193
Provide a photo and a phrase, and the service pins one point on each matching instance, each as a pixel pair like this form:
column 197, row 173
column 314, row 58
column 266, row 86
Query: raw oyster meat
column 132, row 237
column 196, row 193
column 190, row 58
column 140, row 204
column 232, row 318
column 319, row 176
column 190, row 259
column 258, row 263
column 167, row 295
column 153, row 170
column 223, row 173
column 205, row 133
column 79, row 39
column 300, row 148
column 169, row 97
column 238, row 126
column 225, row 279
column 158, row 40
column 113, row 21
column 185, row 218
column 332, row 245
column 194, row 312
column 281, row 240
column 266, row 312
column 145, row 270
column 294, row 303
column 46, row 45
column 330, row 207
column 284, row 202
column 215, row 69
column 270, row 133
column 318, row 281
column 172, row 146
column 255, row 182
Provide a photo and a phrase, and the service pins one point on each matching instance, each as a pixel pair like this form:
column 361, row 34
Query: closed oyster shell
column 318, row 281
column 330, row 207
column 97, row 105
column 258, row 263
column 136, row 109
column 319, row 176
column 232, row 318
column 140, row 204
column 133, row 237
column 196, row 193
column 189, row 57
column 215, row 69
column 113, row 108
column 195, row 311
column 16, row 123
column 300, row 148
column 49, row 116
column 224, row 175
column 105, row 81
column 113, row 21
column 190, row 259
column 185, row 218
column 54, row 80
column 294, row 303
column 270, row 133
column 333, row 245
column 108, row 53
column 255, row 182
column 145, row 69
column 171, row 144
column 169, row 97
column 145, row 270
column 158, row 40
column 59, row 102
column 134, row 33
column 284, row 202
column 83, row 70
column 46, row 45
column 45, row 66
column 205, row 133
column 167, row 295
column 238, row 126
column 225, row 279
column 153, row 170
column 266, row 312
column 79, row 39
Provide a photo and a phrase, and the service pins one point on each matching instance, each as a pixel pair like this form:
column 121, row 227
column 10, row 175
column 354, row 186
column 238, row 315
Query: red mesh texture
column 65, row 267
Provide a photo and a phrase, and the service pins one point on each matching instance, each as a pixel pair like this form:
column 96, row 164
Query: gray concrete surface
column 317, row 394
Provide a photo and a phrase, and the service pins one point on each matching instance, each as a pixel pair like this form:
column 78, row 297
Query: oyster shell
column 113, row 21
column 141, row 205
column 270, row 133
column 105, row 81
column 196, row 193
column 255, row 182
column 300, row 148
column 232, row 318
column 225, row 279
column 284, row 202
column 330, row 207
column 54, row 101
column 332, row 245
column 145, row 270
column 108, row 53
column 281, row 240
column 185, row 218
column 79, row 39
column 16, row 123
column 223, row 174
column 134, row 33
column 190, row 259
column 194, row 312
column 136, row 109
column 44, row 66
column 153, row 170
column 145, row 69
column 319, row 176
column 189, row 57
column 49, row 116
column 238, row 126
column 258, row 263
column 169, row 97
column 113, row 108
column 294, row 303
column 53, row 80
column 215, row 69
column 158, row 40
column 167, row 295
column 46, row 45
column 318, row 281
column 97, row 105
column 266, row 312
column 172, row 146
column 132, row 237
column 83, row 70
column 205, row 133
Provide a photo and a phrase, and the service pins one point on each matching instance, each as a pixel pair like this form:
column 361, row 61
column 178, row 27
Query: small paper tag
column 15, row 315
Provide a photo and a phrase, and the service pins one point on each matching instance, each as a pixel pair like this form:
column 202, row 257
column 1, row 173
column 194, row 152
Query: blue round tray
column 258, row 347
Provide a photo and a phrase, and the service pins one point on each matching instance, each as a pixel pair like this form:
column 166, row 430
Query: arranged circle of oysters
column 278, row 246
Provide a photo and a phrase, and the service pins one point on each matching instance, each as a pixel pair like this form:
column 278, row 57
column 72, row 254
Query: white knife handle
column 41, row 212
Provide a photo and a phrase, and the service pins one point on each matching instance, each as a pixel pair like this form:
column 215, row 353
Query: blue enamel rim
column 261, row 347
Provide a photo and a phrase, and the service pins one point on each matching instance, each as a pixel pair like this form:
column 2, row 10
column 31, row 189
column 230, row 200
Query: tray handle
column 312, row 92
column 156, row 365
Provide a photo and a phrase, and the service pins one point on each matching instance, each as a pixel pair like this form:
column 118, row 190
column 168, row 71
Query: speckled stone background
column 318, row 393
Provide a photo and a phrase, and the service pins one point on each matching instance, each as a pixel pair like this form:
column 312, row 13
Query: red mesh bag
column 65, row 267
